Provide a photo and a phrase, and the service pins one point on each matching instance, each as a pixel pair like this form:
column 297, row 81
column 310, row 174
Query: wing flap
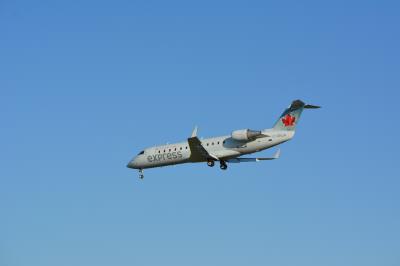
column 246, row 160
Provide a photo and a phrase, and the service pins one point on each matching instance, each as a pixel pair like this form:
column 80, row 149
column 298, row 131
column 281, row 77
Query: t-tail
column 291, row 116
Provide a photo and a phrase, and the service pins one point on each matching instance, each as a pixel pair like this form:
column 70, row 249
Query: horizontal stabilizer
column 309, row 106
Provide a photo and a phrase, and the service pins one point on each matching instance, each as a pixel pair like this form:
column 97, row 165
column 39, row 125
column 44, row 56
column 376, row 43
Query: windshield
column 142, row 152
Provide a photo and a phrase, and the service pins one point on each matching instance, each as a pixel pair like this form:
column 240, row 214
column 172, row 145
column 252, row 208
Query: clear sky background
column 85, row 85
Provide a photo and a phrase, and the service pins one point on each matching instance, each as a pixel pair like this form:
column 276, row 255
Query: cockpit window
column 142, row 152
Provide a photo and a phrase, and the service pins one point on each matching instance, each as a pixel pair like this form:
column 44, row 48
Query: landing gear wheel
column 210, row 163
column 141, row 175
column 223, row 165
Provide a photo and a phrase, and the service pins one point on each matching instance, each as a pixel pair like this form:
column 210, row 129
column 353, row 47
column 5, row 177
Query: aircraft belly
column 226, row 153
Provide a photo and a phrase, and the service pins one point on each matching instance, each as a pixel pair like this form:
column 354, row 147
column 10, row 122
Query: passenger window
column 175, row 149
column 207, row 144
column 169, row 149
column 218, row 142
column 213, row 143
column 164, row 150
column 186, row 147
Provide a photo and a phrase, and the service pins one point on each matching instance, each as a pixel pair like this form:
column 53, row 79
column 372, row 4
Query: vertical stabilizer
column 290, row 117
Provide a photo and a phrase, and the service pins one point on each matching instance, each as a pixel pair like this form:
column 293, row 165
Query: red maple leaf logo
column 288, row 120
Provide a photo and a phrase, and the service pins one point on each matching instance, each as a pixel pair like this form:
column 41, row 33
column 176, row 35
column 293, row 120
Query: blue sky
column 85, row 85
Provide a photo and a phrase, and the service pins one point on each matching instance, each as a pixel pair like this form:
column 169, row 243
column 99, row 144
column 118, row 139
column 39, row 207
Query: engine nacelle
column 245, row 134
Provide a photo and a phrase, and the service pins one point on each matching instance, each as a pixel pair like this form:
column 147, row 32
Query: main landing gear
column 223, row 165
column 141, row 174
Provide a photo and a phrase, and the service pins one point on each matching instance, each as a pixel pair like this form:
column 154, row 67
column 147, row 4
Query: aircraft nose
column 132, row 164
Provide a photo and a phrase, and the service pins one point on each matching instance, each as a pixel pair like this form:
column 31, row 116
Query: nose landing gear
column 141, row 174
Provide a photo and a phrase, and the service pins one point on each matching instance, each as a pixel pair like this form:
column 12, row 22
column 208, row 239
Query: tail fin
column 291, row 116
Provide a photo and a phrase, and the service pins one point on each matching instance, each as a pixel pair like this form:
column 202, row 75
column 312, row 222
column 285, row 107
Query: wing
column 246, row 160
column 198, row 152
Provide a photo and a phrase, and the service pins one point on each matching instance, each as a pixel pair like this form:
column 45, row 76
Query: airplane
column 224, row 149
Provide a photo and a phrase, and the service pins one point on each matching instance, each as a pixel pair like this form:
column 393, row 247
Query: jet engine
column 246, row 134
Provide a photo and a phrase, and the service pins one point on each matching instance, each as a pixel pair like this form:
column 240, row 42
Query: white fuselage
column 221, row 147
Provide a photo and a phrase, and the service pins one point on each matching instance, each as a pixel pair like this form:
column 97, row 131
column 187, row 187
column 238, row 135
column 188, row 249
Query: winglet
column 194, row 133
column 277, row 154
